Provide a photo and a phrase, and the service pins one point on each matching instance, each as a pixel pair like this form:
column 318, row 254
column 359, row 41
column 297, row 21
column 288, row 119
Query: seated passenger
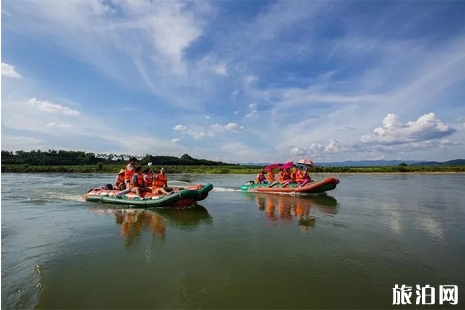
column 281, row 176
column 137, row 184
column 292, row 177
column 260, row 179
column 299, row 176
column 160, row 184
column 148, row 177
column 305, row 177
column 270, row 178
column 287, row 174
column 119, row 180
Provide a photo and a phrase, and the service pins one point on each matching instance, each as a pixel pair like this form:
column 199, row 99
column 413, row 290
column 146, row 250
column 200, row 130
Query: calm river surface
column 345, row 250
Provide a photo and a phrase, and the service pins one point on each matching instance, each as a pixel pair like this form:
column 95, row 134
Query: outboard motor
column 107, row 186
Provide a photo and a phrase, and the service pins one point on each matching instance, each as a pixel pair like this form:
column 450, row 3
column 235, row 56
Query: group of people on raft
column 300, row 177
column 134, row 179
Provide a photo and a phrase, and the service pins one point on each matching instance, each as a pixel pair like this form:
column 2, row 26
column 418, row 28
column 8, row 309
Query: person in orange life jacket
column 300, row 177
column 119, row 180
column 282, row 176
column 292, row 176
column 288, row 174
column 148, row 177
column 160, row 183
column 305, row 176
column 260, row 179
column 137, row 184
column 270, row 177
column 129, row 171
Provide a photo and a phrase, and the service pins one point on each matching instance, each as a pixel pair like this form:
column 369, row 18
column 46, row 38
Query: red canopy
column 271, row 167
column 287, row 165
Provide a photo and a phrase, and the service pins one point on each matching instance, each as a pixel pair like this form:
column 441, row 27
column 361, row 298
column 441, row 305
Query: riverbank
column 178, row 169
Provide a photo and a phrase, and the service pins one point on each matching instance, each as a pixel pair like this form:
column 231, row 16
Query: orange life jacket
column 260, row 177
column 299, row 176
column 270, row 176
column 128, row 173
column 281, row 176
column 148, row 178
column 159, row 181
column 140, row 181
column 120, row 180
column 293, row 175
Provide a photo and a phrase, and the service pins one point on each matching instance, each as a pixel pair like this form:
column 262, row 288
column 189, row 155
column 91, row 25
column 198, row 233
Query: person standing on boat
column 129, row 171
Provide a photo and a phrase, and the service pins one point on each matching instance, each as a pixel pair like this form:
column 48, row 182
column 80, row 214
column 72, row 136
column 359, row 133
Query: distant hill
column 366, row 163
column 455, row 162
column 254, row 164
column 378, row 163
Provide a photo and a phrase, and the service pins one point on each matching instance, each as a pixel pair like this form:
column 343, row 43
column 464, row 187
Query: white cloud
column 442, row 144
column 144, row 40
column 232, row 127
column 17, row 115
column 334, row 146
column 176, row 140
column 317, row 150
column 253, row 111
column 50, row 107
column 59, row 125
column 9, row 71
column 221, row 69
column 212, row 63
column 395, row 132
column 180, row 127
column 196, row 134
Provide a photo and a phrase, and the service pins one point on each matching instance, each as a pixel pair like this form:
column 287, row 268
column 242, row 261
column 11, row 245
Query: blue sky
column 238, row 81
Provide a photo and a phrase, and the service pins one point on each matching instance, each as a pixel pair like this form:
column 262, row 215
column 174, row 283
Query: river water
column 346, row 250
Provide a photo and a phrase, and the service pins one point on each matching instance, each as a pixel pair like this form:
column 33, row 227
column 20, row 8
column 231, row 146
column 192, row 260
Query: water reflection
column 135, row 221
column 286, row 208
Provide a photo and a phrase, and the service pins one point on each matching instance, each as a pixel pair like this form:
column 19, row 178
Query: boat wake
column 225, row 189
column 62, row 196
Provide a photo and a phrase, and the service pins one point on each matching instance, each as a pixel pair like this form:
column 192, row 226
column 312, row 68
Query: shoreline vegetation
column 53, row 161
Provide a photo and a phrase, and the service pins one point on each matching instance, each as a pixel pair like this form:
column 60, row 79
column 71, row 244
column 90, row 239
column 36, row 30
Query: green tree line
column 78, row 158
column 78, row 161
